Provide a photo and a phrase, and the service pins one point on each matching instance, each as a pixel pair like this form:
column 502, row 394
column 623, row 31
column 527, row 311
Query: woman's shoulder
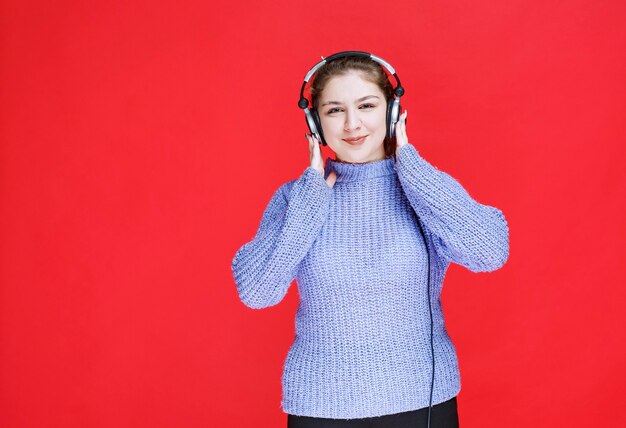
column 284, row 190
column 286, row 187
column 309, row 176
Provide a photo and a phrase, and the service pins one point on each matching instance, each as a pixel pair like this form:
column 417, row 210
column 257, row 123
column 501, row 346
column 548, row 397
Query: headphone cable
column 432, row 348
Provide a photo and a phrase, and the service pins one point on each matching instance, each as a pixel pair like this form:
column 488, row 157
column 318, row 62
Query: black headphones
column 312, row 115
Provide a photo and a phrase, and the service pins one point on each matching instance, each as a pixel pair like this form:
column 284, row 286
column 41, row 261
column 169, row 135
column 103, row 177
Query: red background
column 140, row 142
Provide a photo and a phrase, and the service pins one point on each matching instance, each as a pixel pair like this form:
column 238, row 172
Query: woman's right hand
column 317, row 161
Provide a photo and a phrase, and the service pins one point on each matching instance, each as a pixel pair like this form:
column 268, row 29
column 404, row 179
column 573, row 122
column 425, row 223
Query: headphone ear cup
column 310, row 123
column 393, row 114
column 318, row 125
column 388, row 122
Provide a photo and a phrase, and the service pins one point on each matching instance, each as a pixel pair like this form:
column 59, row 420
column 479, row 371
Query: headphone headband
column 304, row 103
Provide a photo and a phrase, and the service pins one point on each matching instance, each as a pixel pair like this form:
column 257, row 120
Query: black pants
column 442, row 415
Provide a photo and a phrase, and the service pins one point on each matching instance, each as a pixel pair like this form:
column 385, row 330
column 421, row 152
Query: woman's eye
column 362, row 106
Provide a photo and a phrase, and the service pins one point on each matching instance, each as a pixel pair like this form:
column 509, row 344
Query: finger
column 316, row 147
column 311, row 150
column 315, row 152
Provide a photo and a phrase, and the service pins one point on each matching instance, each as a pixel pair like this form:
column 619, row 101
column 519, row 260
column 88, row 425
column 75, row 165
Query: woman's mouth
column 355, row 141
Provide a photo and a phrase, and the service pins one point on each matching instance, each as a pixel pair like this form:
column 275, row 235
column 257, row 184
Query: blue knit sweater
column 362, row 327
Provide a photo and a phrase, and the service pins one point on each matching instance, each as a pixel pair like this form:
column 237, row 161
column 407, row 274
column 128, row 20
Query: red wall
column 139, row 145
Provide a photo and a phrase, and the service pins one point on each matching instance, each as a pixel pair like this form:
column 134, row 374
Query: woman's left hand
column 401, row 138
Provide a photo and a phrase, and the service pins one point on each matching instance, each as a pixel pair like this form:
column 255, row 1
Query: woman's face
column 351, row 107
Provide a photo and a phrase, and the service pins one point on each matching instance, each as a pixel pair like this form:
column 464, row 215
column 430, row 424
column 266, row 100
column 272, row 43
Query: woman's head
column 351, row 96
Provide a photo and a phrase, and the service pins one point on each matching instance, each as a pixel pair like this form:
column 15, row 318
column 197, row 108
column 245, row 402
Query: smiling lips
column 355, row 140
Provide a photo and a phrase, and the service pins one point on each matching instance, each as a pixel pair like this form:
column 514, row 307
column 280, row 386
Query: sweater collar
column 360, row 171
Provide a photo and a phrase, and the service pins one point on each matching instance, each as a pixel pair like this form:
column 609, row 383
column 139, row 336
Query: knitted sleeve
column 465, row 232
column 264, row 268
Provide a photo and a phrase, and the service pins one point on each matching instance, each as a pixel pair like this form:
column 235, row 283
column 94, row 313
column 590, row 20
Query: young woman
column 368, row 238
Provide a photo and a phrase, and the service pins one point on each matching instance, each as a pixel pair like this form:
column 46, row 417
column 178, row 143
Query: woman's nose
column 352, row 121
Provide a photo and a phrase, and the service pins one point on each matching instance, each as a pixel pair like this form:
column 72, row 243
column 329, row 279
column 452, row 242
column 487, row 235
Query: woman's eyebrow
column 358, row 101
